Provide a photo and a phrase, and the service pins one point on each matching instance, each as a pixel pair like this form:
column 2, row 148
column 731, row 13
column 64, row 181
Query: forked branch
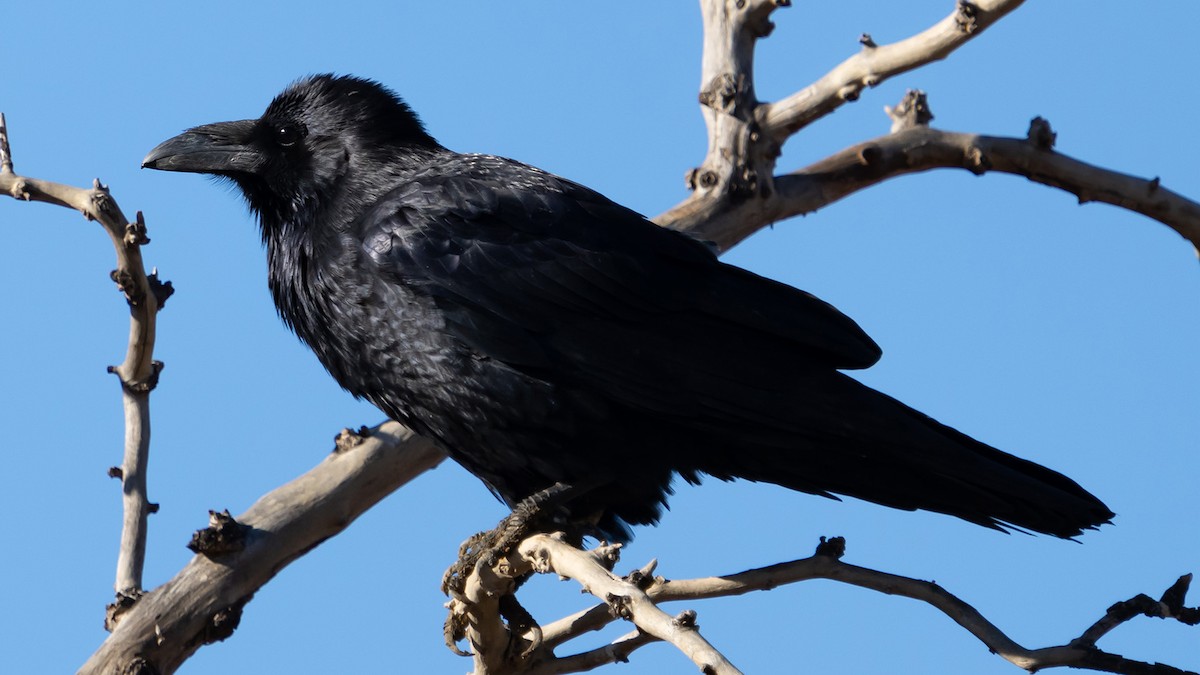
column 500, row 648
column 735, row 182
column 736, row 191
column 203, row 602
column 631, row 598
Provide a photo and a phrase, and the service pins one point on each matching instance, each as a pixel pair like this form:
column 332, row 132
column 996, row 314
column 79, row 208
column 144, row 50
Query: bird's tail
column 858, row 442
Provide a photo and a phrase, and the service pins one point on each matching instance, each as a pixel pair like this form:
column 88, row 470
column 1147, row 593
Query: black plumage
column 542, row 333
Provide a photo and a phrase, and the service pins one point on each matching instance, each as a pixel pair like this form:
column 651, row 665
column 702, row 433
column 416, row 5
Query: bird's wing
column 542, row 273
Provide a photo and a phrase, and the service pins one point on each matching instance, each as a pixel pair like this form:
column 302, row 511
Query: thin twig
column 874, row 64
column 617, row 651
column 139, row 371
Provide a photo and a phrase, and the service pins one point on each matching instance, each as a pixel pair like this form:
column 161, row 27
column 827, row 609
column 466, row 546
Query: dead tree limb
column 874, row 64
column 731, row 187
column 497, row 650
column 138, row 374
column 920, row 148
column 549, row 555
column 203, row 602
column 736, row 191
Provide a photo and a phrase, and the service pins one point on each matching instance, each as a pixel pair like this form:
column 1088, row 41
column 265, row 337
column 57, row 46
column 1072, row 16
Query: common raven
column 543, row 334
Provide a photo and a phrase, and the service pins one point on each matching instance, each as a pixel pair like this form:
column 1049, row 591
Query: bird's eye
column 288, row 134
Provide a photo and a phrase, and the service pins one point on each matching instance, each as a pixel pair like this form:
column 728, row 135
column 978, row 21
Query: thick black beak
column 223, row 148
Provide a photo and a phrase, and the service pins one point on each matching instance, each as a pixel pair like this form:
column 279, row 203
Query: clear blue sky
column 1065, row 334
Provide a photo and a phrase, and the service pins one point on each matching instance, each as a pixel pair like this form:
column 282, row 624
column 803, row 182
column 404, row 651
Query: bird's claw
column 520, row 621
column 489, row 548
column 492, row 545
column 455, row 629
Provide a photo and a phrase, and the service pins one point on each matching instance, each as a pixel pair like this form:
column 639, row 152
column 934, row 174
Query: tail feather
column 861, row 443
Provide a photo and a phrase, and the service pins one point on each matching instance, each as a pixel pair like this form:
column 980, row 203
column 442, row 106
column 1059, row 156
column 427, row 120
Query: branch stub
column 223, row 535
column 1040, row 133
column 833, row 547
column 912, row 111
column 967, row 17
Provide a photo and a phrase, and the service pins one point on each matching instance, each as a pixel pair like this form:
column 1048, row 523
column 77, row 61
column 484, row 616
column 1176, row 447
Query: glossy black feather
column 543, row 333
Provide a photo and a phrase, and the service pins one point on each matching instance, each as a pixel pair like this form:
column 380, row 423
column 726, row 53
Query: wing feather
column 541, row 273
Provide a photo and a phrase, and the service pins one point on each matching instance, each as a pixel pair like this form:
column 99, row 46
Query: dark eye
column 288, row 134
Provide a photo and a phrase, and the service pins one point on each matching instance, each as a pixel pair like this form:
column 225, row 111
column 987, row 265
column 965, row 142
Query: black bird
column 544, row 334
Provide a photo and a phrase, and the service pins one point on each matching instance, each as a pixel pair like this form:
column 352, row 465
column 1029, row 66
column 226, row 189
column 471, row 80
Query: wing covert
column 560, row 277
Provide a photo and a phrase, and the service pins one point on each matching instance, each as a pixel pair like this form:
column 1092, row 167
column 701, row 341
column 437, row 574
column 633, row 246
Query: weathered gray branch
column 875, row 63
column 919, row 148
column 493, row 646
column 735, row 192
column 913, row 147
column 1080, row 652
column 203, row 603
column 550, row 555
column 617, row 651
column 139, row 372
column 734, row 184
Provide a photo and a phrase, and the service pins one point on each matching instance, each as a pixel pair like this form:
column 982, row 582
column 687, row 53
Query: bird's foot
column 523, row 630
column 489, row 546
column 521, row 622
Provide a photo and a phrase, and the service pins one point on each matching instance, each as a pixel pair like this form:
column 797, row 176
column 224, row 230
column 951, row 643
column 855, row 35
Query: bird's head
column 298, row 154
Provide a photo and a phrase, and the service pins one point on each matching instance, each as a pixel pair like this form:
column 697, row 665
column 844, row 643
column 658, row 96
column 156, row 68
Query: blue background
column 1063, row 333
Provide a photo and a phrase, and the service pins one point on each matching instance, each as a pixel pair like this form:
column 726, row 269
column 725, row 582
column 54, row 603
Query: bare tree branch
column 617, row 651
column 876, row 63
column 920, row 148
column 735, row 192
column 550, row 555
column 540, row 555
column 203, row 603
column 913, row 147
column 489, row 585
column 594, row 618
column 734, row 183
column 139, row 372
